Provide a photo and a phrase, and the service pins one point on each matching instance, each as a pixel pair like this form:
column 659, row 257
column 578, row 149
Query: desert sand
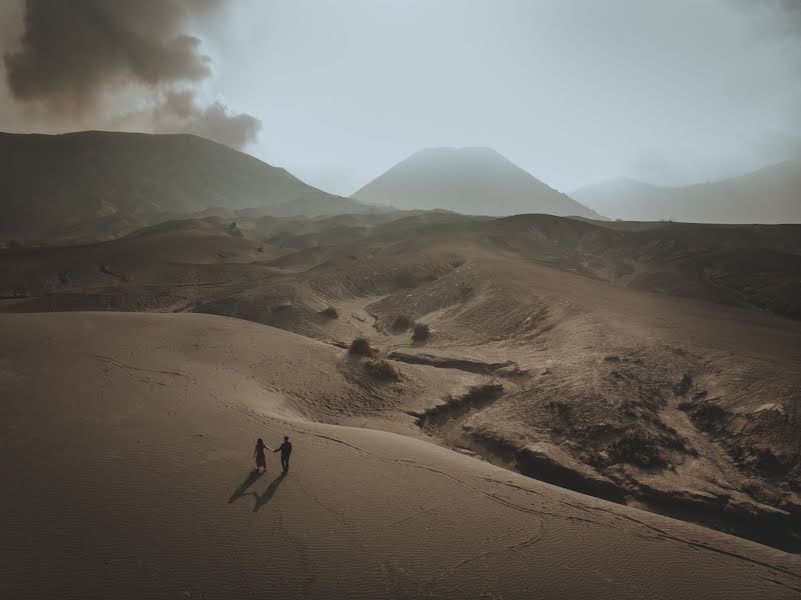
column 653, row 365
column 127, row 449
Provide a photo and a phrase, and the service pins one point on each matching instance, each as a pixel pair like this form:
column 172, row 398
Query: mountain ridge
column 769, row 195
column 119, row 181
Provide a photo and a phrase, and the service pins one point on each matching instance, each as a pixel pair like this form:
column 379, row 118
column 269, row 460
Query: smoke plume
column 117, row 61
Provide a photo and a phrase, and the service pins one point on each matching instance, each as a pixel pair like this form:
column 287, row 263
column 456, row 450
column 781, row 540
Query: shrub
column 637, row 450
column 330, row 313
column 401, row 323
column 381, row 369
column 360, row 346
column 421, row 332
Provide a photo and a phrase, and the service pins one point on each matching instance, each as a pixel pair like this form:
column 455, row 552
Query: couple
column 285, row 448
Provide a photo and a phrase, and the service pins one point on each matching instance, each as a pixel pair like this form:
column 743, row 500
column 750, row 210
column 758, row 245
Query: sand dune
column 127, row 442
column 675, row 404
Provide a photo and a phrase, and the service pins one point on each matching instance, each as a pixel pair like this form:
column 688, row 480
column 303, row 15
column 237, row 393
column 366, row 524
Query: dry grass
column 361, row 347
column 421, row 332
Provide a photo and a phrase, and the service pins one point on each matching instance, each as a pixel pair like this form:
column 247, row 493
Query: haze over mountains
column 99, row 185
column 769, row 195
column 475, row 181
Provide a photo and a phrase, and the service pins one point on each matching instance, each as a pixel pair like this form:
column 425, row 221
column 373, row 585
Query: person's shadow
column 269, row 492
column 252, row 478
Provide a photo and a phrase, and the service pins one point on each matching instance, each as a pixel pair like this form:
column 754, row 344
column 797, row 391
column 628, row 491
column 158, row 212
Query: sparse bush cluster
column 401, row 323
column 381, row 369
column 361, row 347
column 421, row 332
column 378, row 368
column 330, row 313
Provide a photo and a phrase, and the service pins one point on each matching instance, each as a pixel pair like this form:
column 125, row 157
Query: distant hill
column 77, row 183
column 770, row 195
column 476, row 181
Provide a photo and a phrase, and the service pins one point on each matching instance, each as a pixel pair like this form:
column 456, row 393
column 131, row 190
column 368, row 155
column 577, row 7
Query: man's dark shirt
column 286, row 449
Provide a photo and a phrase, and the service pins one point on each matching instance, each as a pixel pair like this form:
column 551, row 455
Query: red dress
column 261, row 461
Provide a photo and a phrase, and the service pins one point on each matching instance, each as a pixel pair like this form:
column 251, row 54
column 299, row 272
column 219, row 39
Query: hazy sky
column 574, row 91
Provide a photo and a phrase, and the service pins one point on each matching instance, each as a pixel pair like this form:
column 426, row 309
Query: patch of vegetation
column 401, row 323
column 421, row 332
column 361, row 347
column 638, row 450
column 330, row 313
column 381, row 369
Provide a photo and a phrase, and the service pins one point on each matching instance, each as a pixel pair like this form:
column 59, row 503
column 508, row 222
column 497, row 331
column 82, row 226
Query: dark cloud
column 179, row 111
column 75, row 58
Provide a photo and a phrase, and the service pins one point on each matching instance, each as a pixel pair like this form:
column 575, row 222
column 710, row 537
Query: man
column 286, row 450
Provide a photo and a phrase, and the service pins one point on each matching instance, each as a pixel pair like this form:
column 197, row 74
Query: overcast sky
column 574, row 91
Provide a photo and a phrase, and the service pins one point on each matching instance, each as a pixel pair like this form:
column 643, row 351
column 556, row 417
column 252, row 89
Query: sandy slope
column 126, row 454
column 688, row 408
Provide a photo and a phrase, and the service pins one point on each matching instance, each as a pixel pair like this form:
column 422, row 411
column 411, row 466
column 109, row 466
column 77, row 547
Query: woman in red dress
column 261, row 461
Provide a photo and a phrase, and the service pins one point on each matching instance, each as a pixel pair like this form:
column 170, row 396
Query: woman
column 261, row 461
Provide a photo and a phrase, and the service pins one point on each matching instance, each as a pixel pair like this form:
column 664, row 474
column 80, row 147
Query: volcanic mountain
column 80, row 184
column 475, row 181
column 770, row 195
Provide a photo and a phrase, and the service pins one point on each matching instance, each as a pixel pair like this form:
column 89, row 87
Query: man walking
column 286, row 450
